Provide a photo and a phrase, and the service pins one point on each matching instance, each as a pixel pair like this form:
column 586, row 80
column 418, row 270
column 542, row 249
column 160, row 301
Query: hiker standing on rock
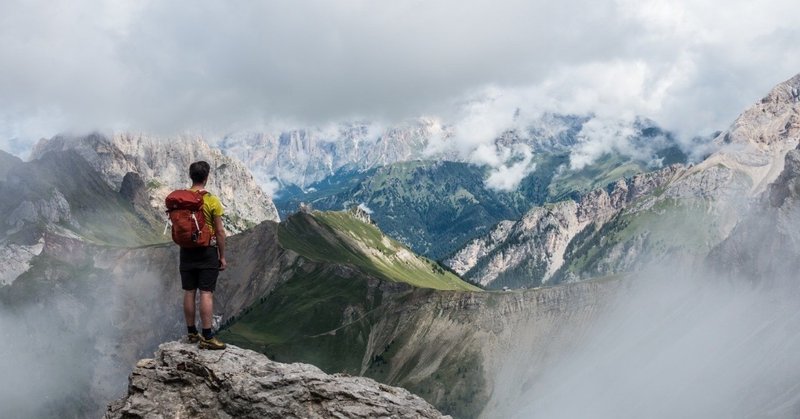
column 196, row 218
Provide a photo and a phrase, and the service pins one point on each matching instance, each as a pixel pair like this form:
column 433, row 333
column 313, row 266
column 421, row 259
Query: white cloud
column 365, row 208
column 508, row 175
column 170, row 66
column 598, row 137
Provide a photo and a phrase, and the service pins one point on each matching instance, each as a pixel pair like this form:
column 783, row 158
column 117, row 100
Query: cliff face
column 766, row 243
column 530, row 251
column 162, row 165
column 61, row 192
column 302, row 157
column 184, row 381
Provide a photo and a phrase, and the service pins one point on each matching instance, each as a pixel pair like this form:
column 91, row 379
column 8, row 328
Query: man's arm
column 219, row 231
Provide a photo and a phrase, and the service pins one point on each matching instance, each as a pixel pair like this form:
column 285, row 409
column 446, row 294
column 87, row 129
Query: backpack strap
column 200, row 191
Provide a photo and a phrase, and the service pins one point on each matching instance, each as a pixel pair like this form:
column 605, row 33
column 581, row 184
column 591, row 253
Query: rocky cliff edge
column 184, row 381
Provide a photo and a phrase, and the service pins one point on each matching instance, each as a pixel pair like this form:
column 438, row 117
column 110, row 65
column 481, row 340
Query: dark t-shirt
column 199, row 258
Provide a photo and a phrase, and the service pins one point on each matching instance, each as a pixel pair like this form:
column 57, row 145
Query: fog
column 673, row 343
column 46, row 363
column 69, row 342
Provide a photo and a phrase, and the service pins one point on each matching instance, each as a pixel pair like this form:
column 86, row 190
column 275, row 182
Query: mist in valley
column 675, row 342
column 70, row 342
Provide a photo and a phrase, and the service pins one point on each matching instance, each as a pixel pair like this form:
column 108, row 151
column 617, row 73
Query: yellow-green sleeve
column 216, row 207
column 212, row 207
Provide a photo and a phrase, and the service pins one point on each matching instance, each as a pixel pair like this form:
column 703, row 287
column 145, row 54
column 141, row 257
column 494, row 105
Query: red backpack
column 185, row 211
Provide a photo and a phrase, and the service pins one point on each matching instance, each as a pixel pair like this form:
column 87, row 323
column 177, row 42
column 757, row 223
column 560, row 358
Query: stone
column 184, row 381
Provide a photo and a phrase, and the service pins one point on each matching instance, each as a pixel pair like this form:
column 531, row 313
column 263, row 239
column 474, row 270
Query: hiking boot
column 212, row 343
column 193, row 337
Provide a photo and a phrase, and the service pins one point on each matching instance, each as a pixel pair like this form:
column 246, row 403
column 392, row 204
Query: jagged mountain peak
column 759, row 138
column 774, row 119
column 162, row 164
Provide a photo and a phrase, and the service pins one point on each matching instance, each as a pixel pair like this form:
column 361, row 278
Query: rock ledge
column 184, row 381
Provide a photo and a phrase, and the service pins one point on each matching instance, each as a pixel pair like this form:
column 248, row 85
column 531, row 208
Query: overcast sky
column 169, row 66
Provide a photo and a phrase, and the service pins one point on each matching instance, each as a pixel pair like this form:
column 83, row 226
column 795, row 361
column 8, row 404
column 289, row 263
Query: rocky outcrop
column 17, row 259
column 48, row 209
column 183, row 381
column 134, row 190
column 466, row 258
column 535, row 246
column 758, row 140
column 162, row 164
column 766, row 243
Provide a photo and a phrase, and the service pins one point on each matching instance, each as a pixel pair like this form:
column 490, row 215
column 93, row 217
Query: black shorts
column 199, row 268
column 205, row 279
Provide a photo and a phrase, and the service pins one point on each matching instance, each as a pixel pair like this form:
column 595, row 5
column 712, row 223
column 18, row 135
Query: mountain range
column 681, row 209
column 94, row 287
column 436, row 206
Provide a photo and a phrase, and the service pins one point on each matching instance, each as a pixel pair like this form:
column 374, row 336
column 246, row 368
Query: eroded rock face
column 184, row 381
column 536, row 244
column 162, row 165
column 766, row 243
column 304, row 156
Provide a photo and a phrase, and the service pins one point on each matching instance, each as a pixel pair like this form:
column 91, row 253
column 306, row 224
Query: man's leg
column 206, row 308
column 189, row 306
column 189, row 279
column 208, row 283
column 208, row 340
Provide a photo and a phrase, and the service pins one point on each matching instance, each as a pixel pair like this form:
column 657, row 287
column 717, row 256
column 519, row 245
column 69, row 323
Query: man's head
column 198, row 171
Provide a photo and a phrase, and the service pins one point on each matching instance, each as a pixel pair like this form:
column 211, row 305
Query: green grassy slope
column 341, row 322
column 300, row 320
column 339, row 237
column 670, row 227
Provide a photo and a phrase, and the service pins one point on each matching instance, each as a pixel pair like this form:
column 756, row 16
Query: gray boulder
column 184, row 381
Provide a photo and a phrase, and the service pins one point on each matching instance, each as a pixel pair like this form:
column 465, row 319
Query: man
column 200, row 266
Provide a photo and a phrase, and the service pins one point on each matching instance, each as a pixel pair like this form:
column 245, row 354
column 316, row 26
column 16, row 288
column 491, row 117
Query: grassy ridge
column 339, row 237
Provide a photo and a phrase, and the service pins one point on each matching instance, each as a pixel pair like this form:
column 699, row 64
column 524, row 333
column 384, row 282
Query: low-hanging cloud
column 170, row 66
column 684, row 345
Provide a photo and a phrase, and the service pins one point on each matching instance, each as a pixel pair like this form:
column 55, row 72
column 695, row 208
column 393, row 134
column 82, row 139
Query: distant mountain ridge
column 301, row 157
column 162, row 165
column 436, row 206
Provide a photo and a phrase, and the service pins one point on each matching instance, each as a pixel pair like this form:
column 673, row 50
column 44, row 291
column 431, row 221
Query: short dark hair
column 198, row 171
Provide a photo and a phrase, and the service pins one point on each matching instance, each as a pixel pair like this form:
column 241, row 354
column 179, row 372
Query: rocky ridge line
column 184, row 381
column 543, row 233
column 162, row 166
